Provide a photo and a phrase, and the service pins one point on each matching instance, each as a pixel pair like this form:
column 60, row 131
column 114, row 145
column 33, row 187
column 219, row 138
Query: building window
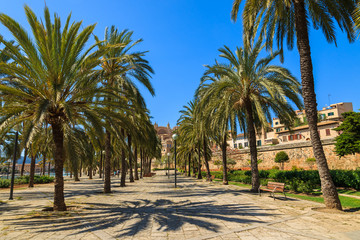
column 286, row 128
column 284, row 139
column 246, row 144
column 276, row 123
column 331, row 114
column 322, row 116
column 278, row 129
column 327, row 132
column 240, row 145
column 258, row 143
column 235, row 145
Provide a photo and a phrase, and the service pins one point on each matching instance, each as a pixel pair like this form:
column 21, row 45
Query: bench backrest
column 277, row 185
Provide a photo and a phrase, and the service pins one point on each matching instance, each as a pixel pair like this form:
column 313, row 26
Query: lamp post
column 13, row 168
column 175, row 137
column 168, row 161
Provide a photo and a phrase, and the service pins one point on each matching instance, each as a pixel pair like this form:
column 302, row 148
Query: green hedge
column 299, row 181
column 5, row 183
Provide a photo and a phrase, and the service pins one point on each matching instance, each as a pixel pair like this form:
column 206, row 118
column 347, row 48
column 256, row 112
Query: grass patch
column 235, row 183
column 349, row 192
column 346, row 202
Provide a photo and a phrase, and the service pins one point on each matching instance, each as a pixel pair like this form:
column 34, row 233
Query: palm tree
column 286, row 19
column 189, row 138
column 119, row 68
column 54, row 81
column 247, row 85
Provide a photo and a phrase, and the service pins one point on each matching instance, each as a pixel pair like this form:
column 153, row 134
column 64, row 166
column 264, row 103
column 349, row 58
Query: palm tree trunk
column 130, row 160
column 123, row 162
column 208, row 174
column 80, row 168
column 32, row 171
column 101, row 163
column 49, row 168
column 199, row 163
column 76, row 176
column 224, row 160
column 107, row 179
column 58, row 138
column 189, row 174
column 90, row 172
column 23, row 164
column 135, row 164
column 255, row 179
column 141, row 162
column 328, row 188
column 193, row 167
column 44, row 164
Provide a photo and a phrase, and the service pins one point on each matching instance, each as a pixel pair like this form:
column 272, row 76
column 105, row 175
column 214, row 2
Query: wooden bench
column 273, row 187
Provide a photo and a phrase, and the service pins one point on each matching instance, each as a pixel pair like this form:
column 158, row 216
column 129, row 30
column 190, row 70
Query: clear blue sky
column 184, row 35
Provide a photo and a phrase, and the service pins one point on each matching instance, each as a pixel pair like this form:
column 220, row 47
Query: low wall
column 298, row 153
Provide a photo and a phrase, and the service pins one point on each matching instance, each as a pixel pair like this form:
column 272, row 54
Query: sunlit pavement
column 152, row 209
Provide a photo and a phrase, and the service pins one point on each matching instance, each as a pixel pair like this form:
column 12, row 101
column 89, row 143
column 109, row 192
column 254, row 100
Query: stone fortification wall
column 298, row 153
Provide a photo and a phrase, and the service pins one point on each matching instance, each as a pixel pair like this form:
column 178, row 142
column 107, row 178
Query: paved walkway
column 152, row 209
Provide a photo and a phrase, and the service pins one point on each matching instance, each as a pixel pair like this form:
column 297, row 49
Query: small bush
column 281, row 157
column 43, row 179
column 4, row 183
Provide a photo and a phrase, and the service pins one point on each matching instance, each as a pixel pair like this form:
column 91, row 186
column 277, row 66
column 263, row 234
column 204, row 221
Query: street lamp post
column 175, row 137
column 168, row 173
column 13, row 168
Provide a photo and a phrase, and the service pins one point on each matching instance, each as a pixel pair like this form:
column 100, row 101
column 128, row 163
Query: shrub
column 281, row 157
column 22, row 180
column 43, row 179
column 275, row 167
column 4, row 183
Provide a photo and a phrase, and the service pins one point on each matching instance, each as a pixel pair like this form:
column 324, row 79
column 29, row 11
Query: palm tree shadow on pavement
column 128, row 218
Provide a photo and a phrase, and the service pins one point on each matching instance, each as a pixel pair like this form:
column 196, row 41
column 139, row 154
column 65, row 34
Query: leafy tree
column 281, row 157
column 287, row 21
column 348, row 142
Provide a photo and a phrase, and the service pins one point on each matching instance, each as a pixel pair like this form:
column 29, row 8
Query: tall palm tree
column 54, row 81
column 121, row 66
column 189, row 138
column 247, row 85
column 285, row 20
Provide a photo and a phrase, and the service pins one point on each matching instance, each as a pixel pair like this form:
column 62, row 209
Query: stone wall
column 298, row 153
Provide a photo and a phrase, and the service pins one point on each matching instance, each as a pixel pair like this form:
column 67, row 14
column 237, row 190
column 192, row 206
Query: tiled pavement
column 152, row 209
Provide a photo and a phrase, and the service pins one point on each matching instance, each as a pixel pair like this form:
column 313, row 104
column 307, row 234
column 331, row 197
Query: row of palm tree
column 239, row 94
column 76, row 99
column 243, row 91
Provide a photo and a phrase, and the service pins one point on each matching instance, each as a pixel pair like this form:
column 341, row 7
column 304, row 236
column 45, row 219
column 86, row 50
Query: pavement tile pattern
column 152, row 209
